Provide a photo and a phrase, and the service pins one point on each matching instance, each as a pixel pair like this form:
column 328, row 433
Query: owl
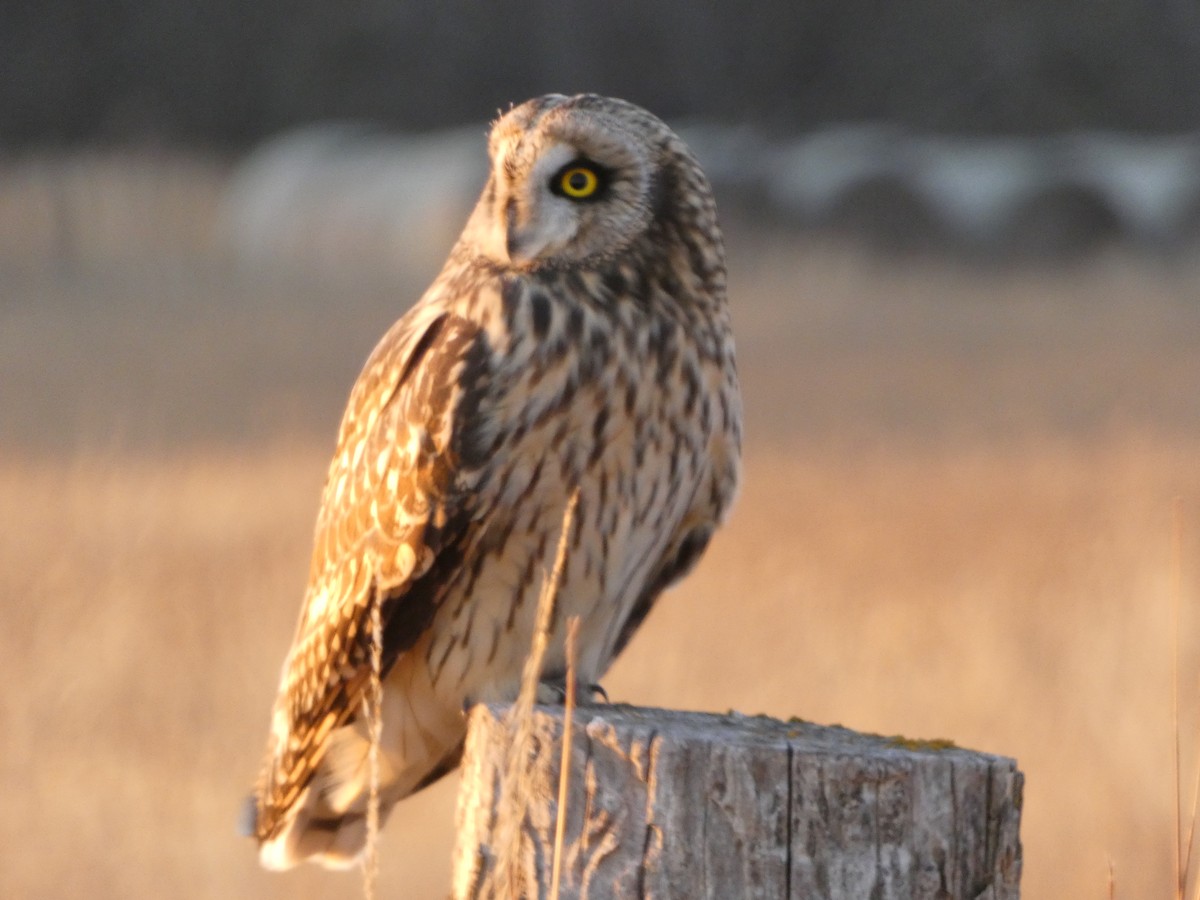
column 577, row 343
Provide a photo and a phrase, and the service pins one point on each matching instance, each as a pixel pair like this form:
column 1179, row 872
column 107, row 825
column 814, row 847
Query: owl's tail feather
column 303, row 836
column 327, row 824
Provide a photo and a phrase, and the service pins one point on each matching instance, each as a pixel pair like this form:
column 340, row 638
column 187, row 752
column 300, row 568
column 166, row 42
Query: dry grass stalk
column 1180, row 872
column 510, row 808
column 1183, row 843
column 374, row 705
column 1185, row 870
column 564, row 769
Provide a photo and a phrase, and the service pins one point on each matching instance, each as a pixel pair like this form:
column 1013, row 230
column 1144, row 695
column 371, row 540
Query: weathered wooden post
column 673, row 804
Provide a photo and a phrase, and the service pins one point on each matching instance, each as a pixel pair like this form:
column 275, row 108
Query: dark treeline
column 224, row 73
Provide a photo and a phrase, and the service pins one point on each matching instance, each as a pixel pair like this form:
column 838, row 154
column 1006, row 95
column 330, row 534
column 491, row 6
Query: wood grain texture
column 673, row 804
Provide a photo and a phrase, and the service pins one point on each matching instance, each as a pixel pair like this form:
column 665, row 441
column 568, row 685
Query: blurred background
column 962, row 249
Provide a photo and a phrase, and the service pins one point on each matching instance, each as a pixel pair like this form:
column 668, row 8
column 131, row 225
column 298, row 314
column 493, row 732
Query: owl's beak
column 521, row 246
column 531, row 234
column 516, row 231
column 520, row 236
column 512, row 232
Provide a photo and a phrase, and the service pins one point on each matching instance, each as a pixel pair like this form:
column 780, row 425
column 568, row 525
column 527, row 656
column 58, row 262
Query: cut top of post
column 665, row 803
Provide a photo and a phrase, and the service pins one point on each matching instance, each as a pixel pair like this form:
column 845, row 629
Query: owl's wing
column 400, row 494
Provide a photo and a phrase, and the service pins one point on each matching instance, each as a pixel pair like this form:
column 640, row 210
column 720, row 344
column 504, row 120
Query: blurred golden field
column 956, row 522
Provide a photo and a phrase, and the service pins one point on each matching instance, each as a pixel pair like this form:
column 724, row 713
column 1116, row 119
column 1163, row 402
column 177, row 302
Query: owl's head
column 574, row 178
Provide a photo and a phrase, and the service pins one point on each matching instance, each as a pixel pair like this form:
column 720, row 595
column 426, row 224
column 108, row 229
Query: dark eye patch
column 581, row 180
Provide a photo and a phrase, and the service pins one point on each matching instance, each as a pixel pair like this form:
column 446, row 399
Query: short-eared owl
column 577, row 338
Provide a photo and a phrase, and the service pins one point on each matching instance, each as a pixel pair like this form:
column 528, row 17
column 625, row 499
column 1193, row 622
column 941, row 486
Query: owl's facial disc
column 568, row 184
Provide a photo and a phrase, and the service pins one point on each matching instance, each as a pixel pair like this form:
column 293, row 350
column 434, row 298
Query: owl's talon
column 552, row 692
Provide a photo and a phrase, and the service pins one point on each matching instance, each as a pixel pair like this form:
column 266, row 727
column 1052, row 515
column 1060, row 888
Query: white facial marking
column 542, row 221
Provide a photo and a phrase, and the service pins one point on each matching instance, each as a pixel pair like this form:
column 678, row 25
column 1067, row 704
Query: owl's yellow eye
column 578, row 182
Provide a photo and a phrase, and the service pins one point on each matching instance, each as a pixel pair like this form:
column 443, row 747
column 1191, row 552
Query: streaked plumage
column 578, row 337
